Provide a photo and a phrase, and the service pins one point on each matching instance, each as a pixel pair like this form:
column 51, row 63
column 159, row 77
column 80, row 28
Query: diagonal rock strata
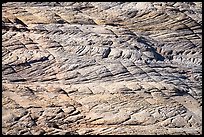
column 101, row 68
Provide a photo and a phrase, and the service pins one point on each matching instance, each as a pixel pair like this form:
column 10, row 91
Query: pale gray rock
column 102, row 68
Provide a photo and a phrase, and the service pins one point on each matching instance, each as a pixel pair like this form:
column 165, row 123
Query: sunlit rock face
column 98, row 68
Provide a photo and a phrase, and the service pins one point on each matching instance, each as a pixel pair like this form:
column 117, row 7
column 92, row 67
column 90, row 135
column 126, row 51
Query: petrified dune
column 101, row 68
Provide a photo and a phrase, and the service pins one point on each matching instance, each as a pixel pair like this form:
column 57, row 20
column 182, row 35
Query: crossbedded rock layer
column 101, row 68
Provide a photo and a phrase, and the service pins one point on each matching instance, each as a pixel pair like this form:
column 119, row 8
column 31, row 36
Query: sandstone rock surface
column 98, row 68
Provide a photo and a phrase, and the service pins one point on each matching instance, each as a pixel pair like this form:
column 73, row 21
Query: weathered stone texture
column 101, row 68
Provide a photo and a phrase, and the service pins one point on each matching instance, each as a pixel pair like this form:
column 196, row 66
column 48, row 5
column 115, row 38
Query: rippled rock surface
column 101, row 68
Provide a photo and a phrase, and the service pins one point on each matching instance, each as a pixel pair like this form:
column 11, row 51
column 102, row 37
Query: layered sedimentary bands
column 101, row 68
